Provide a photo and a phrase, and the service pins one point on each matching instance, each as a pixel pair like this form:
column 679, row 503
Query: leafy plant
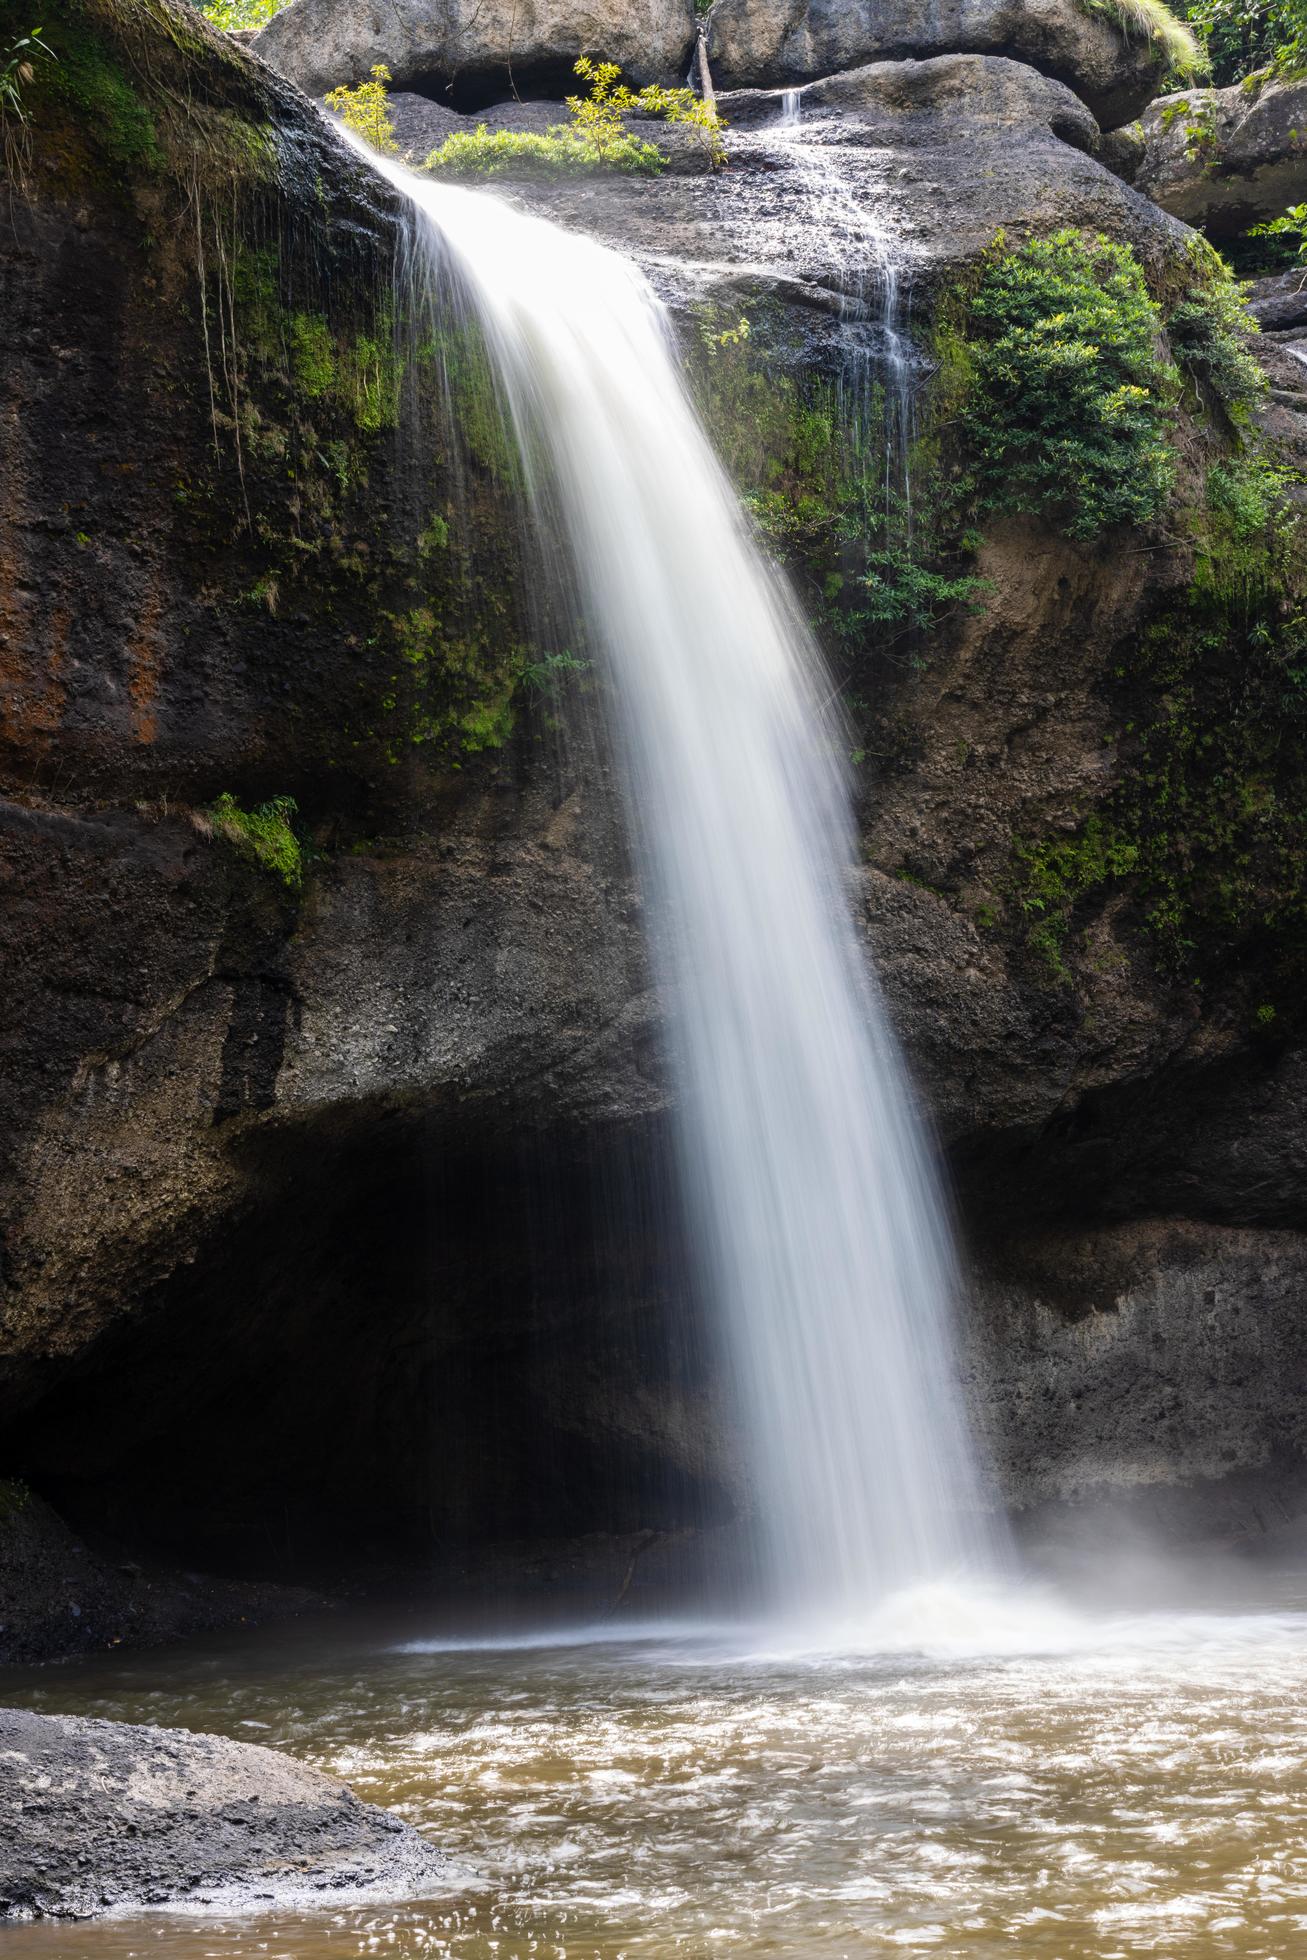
column 1242, row 38
column 596, row 137
column 1211, row 333
column 1067, row 398
column 548, row 674
column 235, row 14
column 1291, row 225
column 18, row 71
column 366, row 110
column 264, row 834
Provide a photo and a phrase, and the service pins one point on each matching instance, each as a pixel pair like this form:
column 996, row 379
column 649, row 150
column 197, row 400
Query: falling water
column 862, row 262
column 811, row 1198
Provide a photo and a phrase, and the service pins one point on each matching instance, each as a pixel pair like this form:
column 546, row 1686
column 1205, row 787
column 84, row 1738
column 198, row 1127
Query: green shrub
column 265, row 834
column 1242, row 37
column 231, row 14
column 563, row 152
column 366, row 110
column 594, row 139
column 1068, row 397
column 1211, row 333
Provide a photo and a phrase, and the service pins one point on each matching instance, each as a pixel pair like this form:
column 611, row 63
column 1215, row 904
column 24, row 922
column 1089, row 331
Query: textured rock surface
column 775, row 43
column 944, row 152
column 336, row 1201
column 97, row 1815
column 1226, row 158
column 59, row 1597
column 474, row 51
column 1138, row 1359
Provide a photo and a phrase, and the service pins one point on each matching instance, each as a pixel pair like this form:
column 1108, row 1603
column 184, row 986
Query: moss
column 1205, row 833
column 812, row 474
column 91, row 79
column 1056, row 873
column 264, row 834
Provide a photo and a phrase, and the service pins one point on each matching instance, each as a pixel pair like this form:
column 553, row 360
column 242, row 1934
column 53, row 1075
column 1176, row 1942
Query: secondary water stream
column 1077, row 1792
column 816, row 1217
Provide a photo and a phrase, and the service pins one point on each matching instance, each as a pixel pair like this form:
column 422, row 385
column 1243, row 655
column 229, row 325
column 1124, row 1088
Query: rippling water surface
column 1131, row 1785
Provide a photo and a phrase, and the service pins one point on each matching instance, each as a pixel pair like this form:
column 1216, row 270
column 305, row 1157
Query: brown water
column 1080, row 1791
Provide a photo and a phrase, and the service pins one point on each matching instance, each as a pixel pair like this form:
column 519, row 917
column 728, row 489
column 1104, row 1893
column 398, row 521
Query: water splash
column 815, row 1212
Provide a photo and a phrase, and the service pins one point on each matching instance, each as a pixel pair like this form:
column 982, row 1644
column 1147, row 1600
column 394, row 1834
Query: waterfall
column 810, row 1196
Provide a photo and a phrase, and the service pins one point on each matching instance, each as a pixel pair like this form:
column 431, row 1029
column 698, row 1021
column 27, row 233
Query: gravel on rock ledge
column 98, row 1816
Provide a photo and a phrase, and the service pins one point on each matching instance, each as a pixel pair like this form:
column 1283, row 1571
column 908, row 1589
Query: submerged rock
column 471, row 52
column 771, row 43
column 1226, row 158
column 96, row 1816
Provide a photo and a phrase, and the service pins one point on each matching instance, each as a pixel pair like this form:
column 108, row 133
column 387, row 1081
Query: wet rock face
column 471, row 53
column 777, row 43
column 332, row 1202
column 1152, row 1368
column 946, row 152
column 102, row 1815
column 1226, row 158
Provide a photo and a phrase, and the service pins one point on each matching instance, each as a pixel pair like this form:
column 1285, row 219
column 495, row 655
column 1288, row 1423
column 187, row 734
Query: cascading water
column 860, row 261
column 813, row 1203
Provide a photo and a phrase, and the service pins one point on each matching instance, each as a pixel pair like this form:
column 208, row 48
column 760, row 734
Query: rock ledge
column 97, row 1816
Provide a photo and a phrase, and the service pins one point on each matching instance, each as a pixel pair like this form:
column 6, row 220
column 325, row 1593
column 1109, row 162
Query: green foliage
column 1245, row 532
column 1067, row 396
column 264, row 834
column 1291, row 227
column 1057, row 872
column 562, row 152
column 366, row 110
column 899, row 589
column 1244, row 37
column 232, row 14
column 93, row 81
column 812, row 475
column 1211, row 333
column 1198, row 120
column 1206, row 831
column 596, row 137
column 20, row 63
column 550, row 673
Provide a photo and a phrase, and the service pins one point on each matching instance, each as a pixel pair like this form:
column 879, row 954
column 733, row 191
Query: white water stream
column 814, row 1207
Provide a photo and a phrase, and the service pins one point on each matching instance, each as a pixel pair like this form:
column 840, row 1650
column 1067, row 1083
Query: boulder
column 100, row 1816
column 1279, row 302
column 939, row 155
column 773, row 43
column 469, row 53
column 1226, row 158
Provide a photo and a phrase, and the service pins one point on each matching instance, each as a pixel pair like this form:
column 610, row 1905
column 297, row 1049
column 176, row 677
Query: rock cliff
column 331, row 1174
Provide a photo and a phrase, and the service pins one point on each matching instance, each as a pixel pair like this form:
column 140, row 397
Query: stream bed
column 1014, row 1782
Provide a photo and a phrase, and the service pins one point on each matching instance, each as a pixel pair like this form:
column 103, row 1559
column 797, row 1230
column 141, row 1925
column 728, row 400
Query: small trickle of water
column 818, row 1224
column 863, row 261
